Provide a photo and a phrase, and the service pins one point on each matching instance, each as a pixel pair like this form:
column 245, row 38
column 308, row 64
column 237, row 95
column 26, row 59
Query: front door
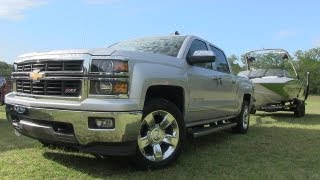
column 204, row 88
column 204, row 92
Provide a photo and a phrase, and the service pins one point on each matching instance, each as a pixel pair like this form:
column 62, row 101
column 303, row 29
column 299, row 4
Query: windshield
column 166, row 45
column 268, row 59
column 270, row 62
column 259, row 73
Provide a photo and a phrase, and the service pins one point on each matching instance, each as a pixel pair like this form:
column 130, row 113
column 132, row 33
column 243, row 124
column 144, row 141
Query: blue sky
column 235, row 26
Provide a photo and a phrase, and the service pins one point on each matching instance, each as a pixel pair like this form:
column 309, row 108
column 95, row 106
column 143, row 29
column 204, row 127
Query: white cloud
column 316, row 42
column 105, row 2
column 14, row 9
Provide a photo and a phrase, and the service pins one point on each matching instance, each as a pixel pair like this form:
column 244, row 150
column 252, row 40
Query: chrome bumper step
column 42, row 132
column 208, row 130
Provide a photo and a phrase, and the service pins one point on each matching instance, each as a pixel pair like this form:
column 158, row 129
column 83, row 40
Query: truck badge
column 36, row 75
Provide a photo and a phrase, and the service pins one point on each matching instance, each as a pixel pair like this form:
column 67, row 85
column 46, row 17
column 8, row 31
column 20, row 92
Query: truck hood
column 64, row 53
column 73, row 54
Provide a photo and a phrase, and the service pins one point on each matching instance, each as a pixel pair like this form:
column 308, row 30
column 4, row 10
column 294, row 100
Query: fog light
column 101, row 123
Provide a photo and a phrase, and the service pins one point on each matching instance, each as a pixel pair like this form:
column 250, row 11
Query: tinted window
column 220, row 63
column 195, row 46
column 167, row 45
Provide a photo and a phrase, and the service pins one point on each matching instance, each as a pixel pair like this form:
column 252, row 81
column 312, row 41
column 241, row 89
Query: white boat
column 277, row 86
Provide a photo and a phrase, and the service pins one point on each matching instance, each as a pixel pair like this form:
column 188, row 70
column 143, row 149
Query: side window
column 221, row 63
column 199, row 45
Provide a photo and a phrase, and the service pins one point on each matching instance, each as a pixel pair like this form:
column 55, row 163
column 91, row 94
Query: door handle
column 215, row 78
column 233, row 81
column 218, row 79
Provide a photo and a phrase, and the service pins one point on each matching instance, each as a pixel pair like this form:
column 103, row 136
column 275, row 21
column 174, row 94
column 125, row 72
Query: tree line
column 5, row 69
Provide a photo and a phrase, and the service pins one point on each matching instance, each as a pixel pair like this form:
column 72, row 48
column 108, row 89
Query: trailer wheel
column 300, row 109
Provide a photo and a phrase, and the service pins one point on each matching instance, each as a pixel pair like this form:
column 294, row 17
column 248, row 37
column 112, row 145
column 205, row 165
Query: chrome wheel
column 159, row 135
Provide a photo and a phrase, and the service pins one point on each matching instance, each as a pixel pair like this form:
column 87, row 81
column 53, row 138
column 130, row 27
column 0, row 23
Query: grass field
column 277, row 146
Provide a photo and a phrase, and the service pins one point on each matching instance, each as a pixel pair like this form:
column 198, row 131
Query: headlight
column 108, row 66
column 103, row 87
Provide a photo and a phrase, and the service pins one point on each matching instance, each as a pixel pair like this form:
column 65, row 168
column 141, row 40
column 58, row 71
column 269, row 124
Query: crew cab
column 137, row 98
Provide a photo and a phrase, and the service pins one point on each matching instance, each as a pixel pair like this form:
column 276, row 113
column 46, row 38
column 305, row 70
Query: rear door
column 226, row 97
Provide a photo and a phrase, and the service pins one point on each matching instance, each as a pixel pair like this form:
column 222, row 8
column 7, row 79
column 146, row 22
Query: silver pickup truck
column 138, row 98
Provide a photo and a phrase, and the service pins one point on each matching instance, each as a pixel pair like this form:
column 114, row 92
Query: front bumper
column 71, row 127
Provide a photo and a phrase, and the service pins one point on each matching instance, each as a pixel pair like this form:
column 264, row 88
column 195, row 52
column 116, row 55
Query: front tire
column 242, row 119
column 161, row 135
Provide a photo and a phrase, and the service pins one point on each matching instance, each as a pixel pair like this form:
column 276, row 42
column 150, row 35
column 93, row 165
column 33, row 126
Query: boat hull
column 275, row 90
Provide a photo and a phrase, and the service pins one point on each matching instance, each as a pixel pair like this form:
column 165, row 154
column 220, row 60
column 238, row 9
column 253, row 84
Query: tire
column 242, row 119
column 253, row 111
column 162, row 135
column 300, row 109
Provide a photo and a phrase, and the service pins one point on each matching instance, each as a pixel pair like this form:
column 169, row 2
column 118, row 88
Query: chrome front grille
column 74, row 65
column 59, row 78
column 69, row 88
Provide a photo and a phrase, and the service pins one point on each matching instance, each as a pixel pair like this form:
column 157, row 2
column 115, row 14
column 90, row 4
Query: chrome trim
column 208, row 121
column 109, row 74
column 50, row 78
column 126, row 123
column 109, row 79
column 50, row 72
column 48, row 97
column 42, row 132
column 83, row 95
column 120, row 96
column 205, row 131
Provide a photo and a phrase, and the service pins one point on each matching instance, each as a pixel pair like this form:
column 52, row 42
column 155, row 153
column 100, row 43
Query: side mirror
column 201, row 56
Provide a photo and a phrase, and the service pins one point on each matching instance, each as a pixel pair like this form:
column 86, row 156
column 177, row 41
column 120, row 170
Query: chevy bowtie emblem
column 36, row 75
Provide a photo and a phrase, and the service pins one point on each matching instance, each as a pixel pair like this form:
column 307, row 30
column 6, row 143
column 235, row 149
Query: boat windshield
column 259, row 73
column 269, row 62
column 166, row 45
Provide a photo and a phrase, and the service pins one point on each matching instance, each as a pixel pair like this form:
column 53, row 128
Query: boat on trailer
column 277, row 85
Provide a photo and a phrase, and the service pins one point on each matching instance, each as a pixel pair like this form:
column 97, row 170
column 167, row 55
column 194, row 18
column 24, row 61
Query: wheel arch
column 174, row 94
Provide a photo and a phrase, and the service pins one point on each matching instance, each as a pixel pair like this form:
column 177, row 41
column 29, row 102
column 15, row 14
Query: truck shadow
column 95, row 167
column 117, row 165
column 308, row 119
column 215, row 152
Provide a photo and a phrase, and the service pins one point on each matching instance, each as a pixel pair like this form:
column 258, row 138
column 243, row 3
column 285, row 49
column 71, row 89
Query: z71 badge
column 70, row 90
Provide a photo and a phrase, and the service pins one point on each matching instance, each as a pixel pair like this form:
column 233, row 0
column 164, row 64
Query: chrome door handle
column 218, row 79
column 215, row 78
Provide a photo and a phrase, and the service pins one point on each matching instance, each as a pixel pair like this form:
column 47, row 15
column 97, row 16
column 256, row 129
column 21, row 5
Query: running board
column 208, row 130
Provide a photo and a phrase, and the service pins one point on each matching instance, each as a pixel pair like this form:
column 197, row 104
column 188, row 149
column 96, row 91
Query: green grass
column 277, row 146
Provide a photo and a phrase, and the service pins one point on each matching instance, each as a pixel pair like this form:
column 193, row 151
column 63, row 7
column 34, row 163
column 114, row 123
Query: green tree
column 5, row 69
column 309, row 61
column 234, row 62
